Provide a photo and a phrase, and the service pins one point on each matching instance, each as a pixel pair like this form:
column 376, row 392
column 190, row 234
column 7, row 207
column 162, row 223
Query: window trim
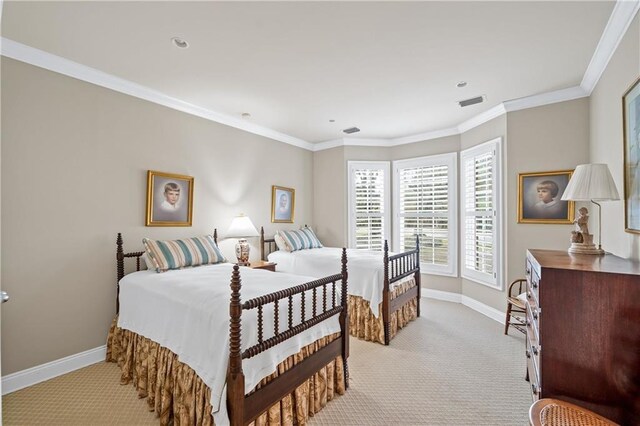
column 372, row 165
column 451, row 160
column 497, row 282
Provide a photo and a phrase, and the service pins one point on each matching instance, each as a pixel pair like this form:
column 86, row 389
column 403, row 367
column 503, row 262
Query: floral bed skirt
column 177, row 395
column 365, row 326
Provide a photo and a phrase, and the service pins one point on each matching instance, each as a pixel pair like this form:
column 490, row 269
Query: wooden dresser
column 583, row 331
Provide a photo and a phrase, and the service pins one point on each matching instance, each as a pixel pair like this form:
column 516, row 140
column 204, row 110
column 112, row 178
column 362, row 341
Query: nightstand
column 261, row 264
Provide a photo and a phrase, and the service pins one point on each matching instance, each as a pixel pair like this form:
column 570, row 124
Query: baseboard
column 447, row 296
column 40, row 373
column 467, row 301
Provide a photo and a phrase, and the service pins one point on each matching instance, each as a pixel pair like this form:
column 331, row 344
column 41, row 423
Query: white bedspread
column 365, row 267
column 187, row 311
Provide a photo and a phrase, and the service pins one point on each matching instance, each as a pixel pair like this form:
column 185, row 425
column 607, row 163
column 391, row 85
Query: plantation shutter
column 369, row 201
column 426, row 207
column 480, row 232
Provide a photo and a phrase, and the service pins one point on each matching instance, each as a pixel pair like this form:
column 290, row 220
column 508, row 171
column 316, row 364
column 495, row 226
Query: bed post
column 417, row 274
column 385, row 295
column 344, row 318
column 120, row 269
column 215, row 235
column 235, row 377
column 262, row 243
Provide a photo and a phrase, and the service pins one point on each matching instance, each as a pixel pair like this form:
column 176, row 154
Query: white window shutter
column 481, row 213
column 368, row 204
column 425, row 205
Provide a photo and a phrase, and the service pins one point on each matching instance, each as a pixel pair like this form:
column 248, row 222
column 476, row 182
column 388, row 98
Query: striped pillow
column 178, row 254
column 300, row 240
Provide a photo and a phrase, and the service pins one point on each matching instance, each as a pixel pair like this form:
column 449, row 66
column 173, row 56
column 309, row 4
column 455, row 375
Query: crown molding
column 621, row 17
column 482, row 118
column 30, row 55
column 547, row 98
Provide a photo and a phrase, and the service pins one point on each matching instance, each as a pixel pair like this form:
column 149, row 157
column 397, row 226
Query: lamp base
column 582, row 248
column 242, row 252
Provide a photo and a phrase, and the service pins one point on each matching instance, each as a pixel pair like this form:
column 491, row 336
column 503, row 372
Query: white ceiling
column 389, row 68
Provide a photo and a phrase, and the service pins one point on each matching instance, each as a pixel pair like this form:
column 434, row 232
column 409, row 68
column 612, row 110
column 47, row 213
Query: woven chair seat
column 517, row 302
column 552, row 412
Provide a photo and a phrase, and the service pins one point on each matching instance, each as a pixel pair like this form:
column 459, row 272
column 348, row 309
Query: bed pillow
column 301, row 239
column 281, row 243
column 178, row 254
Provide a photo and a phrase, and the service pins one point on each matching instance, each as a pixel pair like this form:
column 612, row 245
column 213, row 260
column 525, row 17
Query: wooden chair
column 554, row 412
column 516, row 310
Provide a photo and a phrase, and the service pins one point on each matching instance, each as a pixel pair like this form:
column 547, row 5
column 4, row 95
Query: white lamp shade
column 591, row 182
column 242, row 227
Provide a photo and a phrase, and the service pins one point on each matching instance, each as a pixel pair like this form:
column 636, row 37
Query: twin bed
column 276, row 356
column 384, row 288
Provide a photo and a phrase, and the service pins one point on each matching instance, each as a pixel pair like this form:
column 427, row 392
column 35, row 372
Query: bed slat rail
column 292, row 330
column 397, row 267
column 269, row 243
column 120, row 257
column 245, row 408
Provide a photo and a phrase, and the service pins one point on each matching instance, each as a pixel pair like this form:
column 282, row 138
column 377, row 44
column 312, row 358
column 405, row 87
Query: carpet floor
column 452, row 366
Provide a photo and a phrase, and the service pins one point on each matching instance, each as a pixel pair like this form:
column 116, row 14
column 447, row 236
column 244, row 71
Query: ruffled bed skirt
column 176, row 393
column 365, row 326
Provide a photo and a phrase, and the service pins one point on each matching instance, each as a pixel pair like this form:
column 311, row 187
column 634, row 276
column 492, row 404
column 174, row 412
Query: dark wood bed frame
column 242, row 408
column 396, row 267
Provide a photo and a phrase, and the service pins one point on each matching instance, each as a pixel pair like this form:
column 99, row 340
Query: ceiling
column 389, row 68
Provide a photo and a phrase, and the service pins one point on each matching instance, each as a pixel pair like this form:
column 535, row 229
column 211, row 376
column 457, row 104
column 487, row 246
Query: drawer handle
column 534, row 349
column 534, row 284
column 528, row 353
column 528, row 271
column 528, row 295
column 527, row 323
column 535, row 315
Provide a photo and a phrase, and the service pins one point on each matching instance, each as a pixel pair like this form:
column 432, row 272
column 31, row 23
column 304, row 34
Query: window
column 425, row 205
column 368, row 204
column 481, row 199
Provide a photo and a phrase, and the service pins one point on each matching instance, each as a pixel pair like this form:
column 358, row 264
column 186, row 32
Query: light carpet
column 452, row 366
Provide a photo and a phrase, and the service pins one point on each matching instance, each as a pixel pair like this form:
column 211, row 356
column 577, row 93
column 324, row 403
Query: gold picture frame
column 283, row 203
column 631, row 135
column 539, row 196
column 169, row 199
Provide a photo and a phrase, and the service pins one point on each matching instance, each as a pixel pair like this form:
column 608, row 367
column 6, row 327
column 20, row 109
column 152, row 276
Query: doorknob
column 4, row 296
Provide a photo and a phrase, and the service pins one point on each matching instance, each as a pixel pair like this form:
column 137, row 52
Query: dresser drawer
column 533, row 281
column 532, row 352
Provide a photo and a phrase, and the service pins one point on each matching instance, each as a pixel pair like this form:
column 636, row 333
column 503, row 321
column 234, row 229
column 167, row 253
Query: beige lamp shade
column 591, row 182
column 242, row 227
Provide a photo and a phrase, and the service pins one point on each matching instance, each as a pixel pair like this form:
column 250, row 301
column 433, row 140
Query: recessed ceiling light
column 461, row 84
column 332, row 121
column 246, row 115
column 180, row 43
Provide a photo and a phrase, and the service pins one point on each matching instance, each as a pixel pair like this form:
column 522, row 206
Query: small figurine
column 582, row 221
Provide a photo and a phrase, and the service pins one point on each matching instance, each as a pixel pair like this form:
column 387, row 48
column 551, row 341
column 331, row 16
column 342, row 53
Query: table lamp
column 589, row 182
column 241, row 227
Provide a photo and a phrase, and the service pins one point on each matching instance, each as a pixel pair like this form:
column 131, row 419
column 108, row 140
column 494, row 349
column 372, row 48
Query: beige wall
column 329, row 201
column 74, row 162
column 606, row 143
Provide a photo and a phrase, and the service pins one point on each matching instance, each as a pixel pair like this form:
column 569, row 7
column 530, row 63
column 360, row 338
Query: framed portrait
column 283, row 202
column 631, row 131
column 539, row 198
column 169, row 199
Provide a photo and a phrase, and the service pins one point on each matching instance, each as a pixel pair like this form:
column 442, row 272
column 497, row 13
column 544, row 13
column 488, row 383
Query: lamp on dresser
column 241, row 227
column 589, row 182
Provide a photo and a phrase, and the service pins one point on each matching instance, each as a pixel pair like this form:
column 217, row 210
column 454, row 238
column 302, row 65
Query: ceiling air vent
column 471, row 101
column 351, row 130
